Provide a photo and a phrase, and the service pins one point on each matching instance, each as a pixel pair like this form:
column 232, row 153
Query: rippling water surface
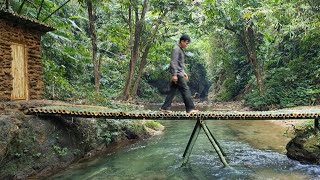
column 255, row 150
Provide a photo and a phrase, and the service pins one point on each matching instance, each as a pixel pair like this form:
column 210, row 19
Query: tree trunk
column 252, row 56
column 248, row 40
column 135, row 50
column 141, row 69
column 133, row 58
column 7, row 4
column 94, row 47
column 130, row 28
column 144, row 60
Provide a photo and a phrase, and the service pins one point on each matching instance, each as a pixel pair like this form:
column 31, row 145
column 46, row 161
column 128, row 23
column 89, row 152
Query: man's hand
column 185, row 76
column 174, row 79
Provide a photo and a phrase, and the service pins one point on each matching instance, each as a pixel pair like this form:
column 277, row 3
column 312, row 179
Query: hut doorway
column 19, row 72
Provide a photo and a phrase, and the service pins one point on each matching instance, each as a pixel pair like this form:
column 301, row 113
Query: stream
column 255, row 150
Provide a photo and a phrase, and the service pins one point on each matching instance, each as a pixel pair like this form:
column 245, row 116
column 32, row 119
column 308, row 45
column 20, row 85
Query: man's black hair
column 185, row 37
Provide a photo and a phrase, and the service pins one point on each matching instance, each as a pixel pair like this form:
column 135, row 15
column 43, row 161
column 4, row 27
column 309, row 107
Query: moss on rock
column 37, row 146
column 305, row 147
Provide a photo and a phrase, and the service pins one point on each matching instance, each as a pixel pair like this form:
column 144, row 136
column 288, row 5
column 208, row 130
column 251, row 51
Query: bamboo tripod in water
column 195, row 133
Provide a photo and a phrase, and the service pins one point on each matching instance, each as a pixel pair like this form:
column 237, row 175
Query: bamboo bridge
column 200, row 117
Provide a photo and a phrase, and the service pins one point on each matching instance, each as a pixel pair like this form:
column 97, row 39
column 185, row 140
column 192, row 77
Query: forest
column 249, row 54
column 265, row 52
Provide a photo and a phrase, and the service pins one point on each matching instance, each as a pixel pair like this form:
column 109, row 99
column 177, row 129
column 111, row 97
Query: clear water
column 255, row 150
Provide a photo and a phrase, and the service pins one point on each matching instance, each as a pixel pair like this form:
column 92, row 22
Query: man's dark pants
column 183, row 87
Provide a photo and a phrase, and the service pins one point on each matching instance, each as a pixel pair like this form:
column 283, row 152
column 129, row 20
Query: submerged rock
column 305, row 147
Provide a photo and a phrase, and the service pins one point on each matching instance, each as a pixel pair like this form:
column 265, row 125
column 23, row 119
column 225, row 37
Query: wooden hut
column 21, row 69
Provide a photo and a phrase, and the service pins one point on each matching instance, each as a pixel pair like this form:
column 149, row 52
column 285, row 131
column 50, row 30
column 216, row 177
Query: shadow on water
column 255, row 150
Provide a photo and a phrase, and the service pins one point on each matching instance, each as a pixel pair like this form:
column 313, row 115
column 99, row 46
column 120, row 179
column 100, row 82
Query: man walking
column 179, row 77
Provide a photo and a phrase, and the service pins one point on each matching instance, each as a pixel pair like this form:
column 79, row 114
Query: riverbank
column 38, row 146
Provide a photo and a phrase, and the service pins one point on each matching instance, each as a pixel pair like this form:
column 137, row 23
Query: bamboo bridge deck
column 103, row 112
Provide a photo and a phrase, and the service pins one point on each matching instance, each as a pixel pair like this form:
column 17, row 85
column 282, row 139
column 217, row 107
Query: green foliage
column 134, row 128
column 226, row 65
column 293, row 74
column 197, row 72
column 286, row 42
column 286, row 36
column 60, row 150
column 153, row 125
column 55, row 83
column 37, row 155
column 109, row 130
column 112, row 80
column 149, row 93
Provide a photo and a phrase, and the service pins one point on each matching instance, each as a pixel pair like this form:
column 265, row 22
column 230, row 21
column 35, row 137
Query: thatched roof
column 24, row 21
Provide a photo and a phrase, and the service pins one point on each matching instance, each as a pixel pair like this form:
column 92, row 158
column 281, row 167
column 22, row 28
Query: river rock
column 34, row 147
column 8, row 130
column 305, row 147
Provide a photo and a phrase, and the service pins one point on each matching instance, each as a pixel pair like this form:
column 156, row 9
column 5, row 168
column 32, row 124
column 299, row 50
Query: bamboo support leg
column 316, row 124
column 223, row 153
column 191, row 142
column 214, row 144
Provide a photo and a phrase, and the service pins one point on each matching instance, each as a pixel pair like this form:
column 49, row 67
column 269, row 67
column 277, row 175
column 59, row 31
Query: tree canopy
column 265, row 52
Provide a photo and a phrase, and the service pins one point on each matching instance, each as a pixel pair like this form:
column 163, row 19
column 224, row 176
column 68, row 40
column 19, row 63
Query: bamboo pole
column 316, row 123
column 192, row 140
column 214, row 144
column 223, row 153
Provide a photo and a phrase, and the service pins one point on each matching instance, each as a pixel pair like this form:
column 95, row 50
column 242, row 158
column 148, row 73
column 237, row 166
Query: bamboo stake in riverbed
column 214, row 143
column 192, row 140
column 201, row 124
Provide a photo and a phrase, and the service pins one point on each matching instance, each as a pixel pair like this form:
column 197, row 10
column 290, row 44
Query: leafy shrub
column 60, row 150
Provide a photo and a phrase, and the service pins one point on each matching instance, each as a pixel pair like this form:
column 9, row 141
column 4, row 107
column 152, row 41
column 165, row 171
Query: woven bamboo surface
column 98, row 111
